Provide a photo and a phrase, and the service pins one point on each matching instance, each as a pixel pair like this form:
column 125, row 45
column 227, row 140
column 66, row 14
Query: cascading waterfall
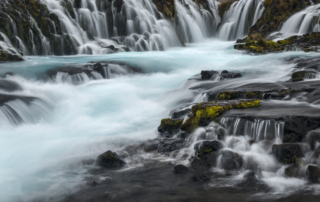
column 257, row 129
column 303, row 22
column 237, row 21
column 194, row 23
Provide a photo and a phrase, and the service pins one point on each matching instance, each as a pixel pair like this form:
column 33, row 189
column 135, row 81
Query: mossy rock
column 228, row 95
column 225, row 6
column 275, row 13
column 254, row 95
column 204, row 113
column 206, row 147
column 166, row 7
column 9, row 57
column 170, row 126
column 109, row 159
column 299, row 76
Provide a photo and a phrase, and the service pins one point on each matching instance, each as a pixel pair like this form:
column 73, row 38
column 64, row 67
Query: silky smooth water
column 44, row 157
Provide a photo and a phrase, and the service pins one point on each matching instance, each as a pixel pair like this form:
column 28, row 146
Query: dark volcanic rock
column 301, row 75
column 181, row 169
column 287, row 153
column 313, row 173
column 252, row 182
column 313, row 137
column 201, row 178
column 229, row 75
column 200, row 164
column 206, row 75
column 292, row 170
column 169, row 145
column 180, row 114
column 205, row 148
column 231, row 161
column 109, row 159
column 315, row 156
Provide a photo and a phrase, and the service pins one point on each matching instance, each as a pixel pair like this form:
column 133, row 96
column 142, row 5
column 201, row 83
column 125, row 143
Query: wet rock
column 301, row 75
column 251, row 182
column 313, row 137
column 180, row 114
column 9, row 56
column 313, row 173
column 229, row 75
column 169, row 145
column 203, row 149
column 231, row 161
column 292, row 170
column 110, row 160
column 206, row 112
column 169, row 127
column 199, row 164
column 206, row 75
column 200, row 178
column 296, row 127
column 9, row 86
column 180, row 169
column 315, row 158
column 151, row 145
column 287, row 153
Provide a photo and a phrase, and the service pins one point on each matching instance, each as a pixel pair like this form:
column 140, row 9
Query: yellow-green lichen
column 170, row 125
column 209, row 111
column 228, row 95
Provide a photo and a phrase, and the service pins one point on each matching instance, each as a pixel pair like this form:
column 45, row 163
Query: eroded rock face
column 287, row 153
column 110, row 160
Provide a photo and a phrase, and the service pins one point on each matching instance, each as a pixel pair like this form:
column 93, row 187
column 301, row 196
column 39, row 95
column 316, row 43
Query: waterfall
column 257, row 129
column 303, row 22
column 68, row 27
column 194, row 23
column 237, row 21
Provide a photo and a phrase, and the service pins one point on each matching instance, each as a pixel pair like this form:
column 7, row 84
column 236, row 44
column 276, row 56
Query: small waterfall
column 237, row 21
column 194, row 23
column 303, row 22
column 23, row 110
column 257, row 129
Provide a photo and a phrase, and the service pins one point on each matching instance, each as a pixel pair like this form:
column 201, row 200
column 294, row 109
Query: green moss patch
column 209, row 111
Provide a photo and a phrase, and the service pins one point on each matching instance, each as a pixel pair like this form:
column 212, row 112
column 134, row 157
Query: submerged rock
column 287, row 153
column 180, row 169
column 109, row 159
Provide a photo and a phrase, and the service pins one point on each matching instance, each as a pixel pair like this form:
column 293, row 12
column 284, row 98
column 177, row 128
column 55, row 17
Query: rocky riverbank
column 308, row 43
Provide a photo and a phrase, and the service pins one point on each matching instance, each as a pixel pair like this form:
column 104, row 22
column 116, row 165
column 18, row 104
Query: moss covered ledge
column 208, row 111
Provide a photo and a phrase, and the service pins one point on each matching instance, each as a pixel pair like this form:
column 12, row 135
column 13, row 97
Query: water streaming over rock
column 303, row 22
column 237, row 21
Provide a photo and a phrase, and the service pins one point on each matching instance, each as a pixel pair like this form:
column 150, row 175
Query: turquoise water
column 42, row 157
